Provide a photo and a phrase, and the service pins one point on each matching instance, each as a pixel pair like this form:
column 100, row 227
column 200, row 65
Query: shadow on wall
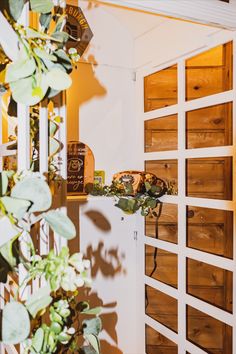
column 109, row 263
column 84, row 88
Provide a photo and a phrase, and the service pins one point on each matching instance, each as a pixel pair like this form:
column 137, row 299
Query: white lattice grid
column 182, row 201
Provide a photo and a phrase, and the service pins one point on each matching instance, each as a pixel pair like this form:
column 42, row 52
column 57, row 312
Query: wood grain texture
column 158, row 344
column 208, row 333
column 210, row 230
column 160, row 89
column 206, row 178
column 210, row 72
column 167, row 265
column 162, row 308
column 161, row 134
column 167, row 224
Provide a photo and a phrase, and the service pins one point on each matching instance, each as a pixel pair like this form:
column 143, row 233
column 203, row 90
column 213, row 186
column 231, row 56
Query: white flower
column 76, row 260
column 79, row 281
column 68, row 280
column 36, row 258
column 71, row 331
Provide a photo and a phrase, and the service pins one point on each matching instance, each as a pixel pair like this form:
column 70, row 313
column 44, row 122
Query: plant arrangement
column 53, row 318
column 133, row 191
column 43, row 67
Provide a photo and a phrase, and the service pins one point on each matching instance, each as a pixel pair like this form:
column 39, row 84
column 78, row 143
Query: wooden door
column 189, row 124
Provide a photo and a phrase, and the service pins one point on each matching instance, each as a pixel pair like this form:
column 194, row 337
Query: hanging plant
column 52, row 319
column 43, row 67
column 23, row 205
column 133, row 190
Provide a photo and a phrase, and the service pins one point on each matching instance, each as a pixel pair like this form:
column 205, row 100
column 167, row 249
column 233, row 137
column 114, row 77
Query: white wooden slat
column 60, row 110
column 219, row 151
column 234, row 197
column 209, row 309
column 166, row 289
column 198, row 103
column 161, row 329
column 182, row 327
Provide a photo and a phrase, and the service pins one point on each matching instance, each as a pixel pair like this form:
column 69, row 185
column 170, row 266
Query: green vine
column 53, row 319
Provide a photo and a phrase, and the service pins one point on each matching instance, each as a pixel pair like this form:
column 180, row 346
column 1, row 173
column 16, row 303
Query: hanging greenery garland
column 53, row 319
column 43, row 67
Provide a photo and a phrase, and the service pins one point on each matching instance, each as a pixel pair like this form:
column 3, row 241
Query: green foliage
column 39, row 301
column 61, row 270
column 60, row 224
column 146, row 201
column 43, row 322
column 35, row 190
column 16, row 8
column 15, row 323
column 41, row 6
column 43, row 65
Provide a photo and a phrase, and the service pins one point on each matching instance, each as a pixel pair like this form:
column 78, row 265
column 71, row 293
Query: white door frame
column 184, row 252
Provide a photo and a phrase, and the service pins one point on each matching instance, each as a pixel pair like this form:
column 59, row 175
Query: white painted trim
column 210, row 12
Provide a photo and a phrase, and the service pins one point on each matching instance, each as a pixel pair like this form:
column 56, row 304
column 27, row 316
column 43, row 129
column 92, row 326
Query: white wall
column 105, row 94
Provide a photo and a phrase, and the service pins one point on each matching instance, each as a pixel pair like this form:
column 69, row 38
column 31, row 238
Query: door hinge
column 135, row 235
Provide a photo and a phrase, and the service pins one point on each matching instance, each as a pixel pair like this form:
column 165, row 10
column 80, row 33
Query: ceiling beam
column 210, row 12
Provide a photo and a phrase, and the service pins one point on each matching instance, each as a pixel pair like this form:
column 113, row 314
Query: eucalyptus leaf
column 7, row 253
column 64, row 59
column 15, row 323
column 32, row 33
column 16, row 8
column 35, row 190
column 39, row 301
column 58, row 79
column 17, row 207
column 60, row 223
column 37, row 341
column 42, row 6
column 45, row 20
column 52, row 93
column 44, row 55
column 54, row 146
column 4, row 182
column 61, row 36
column 7, row 230
column 151, row 203
column 93, row 326
column 95, row 311
column 94, row 341
column 23, row 90
column 20, row 69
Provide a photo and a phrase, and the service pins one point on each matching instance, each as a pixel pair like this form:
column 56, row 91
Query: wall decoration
column 99, row 177
column 80, row 168
column 78, row 29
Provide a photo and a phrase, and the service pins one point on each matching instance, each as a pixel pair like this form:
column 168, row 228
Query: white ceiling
column 136, row 22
